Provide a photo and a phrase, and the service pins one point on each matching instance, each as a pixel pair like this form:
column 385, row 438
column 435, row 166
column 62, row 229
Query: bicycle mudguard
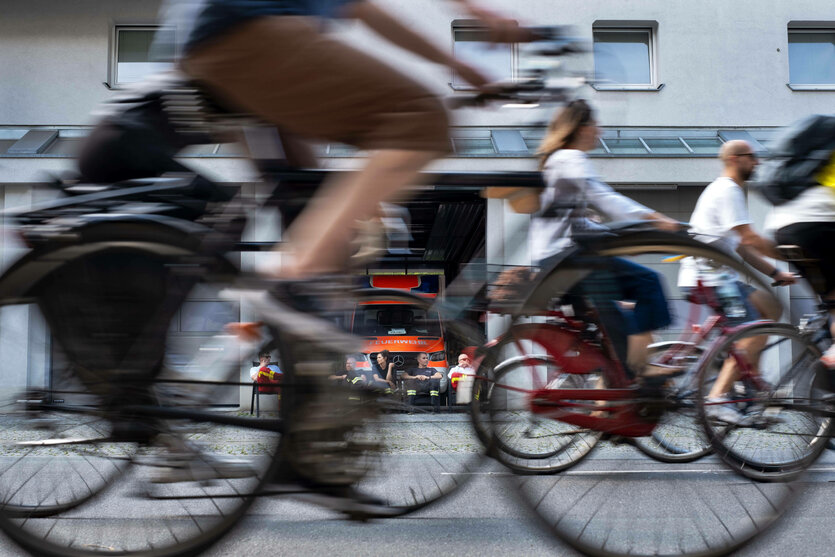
column 561, row 273
column 164, row 238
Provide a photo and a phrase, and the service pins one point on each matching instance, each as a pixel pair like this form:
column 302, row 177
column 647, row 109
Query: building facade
column 674, row 80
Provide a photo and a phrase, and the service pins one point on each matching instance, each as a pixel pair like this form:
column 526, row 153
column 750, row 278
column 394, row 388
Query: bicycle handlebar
column 541, row 81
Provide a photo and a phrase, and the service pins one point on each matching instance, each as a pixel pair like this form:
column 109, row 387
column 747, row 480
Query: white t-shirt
column 570, row 179
column 461, row 370
column 720, row 208
column 253, row 372
column 812, row 205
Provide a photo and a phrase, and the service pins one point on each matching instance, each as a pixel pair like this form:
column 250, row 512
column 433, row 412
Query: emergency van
column 404, row 330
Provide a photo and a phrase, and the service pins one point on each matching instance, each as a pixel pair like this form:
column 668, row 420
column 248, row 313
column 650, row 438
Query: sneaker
column 723, row 410
column 202, row 468
column 762, row 416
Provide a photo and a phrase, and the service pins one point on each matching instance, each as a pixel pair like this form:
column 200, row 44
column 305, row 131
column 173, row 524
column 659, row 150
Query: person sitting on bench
column 422, row 380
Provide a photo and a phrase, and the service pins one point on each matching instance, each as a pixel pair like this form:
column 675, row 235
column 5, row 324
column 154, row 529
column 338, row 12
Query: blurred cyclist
column 721, row 216
column 808, row 221
column 570, row 179
column 272, row 58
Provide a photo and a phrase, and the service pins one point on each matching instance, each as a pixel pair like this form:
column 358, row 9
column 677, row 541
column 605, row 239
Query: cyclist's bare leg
column 766, row 304
column 637, row 357
column 328, row 91
column 767, row 307
column 750, row 348
column 320, row 238
column 637, row 350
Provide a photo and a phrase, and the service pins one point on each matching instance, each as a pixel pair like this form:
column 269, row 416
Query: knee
column 766, row 305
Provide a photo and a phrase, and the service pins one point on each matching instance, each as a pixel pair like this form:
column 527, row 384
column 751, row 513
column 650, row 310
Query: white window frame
column 113, row 70
column 651, row 28
column 463, row 24
column 808, row 27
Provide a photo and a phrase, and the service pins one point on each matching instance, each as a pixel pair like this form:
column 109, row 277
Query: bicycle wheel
column 418, row 456
column 620, row 503
column 519, row 439
column 183, row 481
column 679, row 436
column 785, row 428
column 36, row 480
column 137, row 500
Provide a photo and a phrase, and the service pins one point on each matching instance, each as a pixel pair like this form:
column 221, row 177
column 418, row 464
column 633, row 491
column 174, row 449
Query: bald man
column 721, row 215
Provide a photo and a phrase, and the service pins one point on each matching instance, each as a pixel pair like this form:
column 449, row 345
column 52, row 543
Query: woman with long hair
column 573, row 187
column 382, row 370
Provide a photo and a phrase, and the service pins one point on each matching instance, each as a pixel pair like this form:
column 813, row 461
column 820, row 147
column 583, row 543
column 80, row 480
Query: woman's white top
column 812, row 205
column 571, row 180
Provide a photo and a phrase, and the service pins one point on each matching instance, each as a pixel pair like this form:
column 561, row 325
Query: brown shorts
column 285, row 70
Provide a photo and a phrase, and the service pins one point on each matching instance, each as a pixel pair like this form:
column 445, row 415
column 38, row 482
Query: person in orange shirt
column 265, row 372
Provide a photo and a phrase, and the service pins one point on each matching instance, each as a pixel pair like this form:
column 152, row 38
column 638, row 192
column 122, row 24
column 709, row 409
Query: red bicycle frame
column 620, row 399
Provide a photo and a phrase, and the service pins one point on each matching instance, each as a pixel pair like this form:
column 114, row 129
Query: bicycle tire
column 182, row 518
column 444, row 444
column 618, row 504
column 20, row 286
column 782, row 445
column 33, row 436
column 528, row 454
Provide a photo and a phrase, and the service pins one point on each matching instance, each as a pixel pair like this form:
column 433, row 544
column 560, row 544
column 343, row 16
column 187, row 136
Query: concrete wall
column 54, row 56
column 722, row 63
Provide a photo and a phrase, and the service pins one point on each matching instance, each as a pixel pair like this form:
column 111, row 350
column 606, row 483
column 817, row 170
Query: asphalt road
column 485, row 518
column 617, row 499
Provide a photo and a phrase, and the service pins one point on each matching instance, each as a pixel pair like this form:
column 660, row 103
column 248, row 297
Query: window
column 136, row 53
column 704, row 145
column 617, row 146
column 396, row 320
column 812, row 56
column 671, row 146
column 623, row 57
column 468, row 45
column 473, row 146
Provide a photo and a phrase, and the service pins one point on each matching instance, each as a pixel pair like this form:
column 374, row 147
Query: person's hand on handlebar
column 783, row 278
column 390, row 28
column 501, row 29
column 471, row 75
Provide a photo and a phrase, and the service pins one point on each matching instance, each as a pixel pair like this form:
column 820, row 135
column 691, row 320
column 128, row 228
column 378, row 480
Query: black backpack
column 798, row 155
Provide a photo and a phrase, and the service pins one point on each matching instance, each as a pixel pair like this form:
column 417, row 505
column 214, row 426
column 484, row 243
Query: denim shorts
column 751, row 313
